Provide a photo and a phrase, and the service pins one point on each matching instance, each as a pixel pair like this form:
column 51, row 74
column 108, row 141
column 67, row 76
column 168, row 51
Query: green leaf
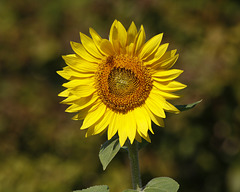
column 152, row 189
column 162, row 184
column 108, row 151
column 188, row 106
column 98, row 188
column 130, row 190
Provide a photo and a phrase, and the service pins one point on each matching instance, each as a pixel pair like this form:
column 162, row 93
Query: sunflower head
column 122, row 84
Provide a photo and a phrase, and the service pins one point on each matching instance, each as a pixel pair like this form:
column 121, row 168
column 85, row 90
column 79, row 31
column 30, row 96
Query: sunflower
column 122, row 84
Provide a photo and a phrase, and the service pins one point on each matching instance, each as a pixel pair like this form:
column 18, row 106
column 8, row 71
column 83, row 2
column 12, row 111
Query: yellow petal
column 166, row 61
column 167, row 64
column 169, row 86
column 101, row 126
column 138, row 137
column 81, row 51
column 107, row 48
column 83, row 90
column 130, row 49
column 131, row 37
column 96, row 39
column 93, row 116
column 142, row 119
column 150, row 46
column 112, row 129
column 90, row 46
column 166, row 75
column 79, row 64
column 140, row 40
column 64, row 74
column 114, row 37
column 82, row 103
column 112, row 31
column 70, row 74
column 169, row 54
column 146, row 137
column 175, row 86
column 122, row 127
column 130, row 124
column 157, row 55
column 82, row 114
column 155, row 105
column 78, row 82
column 164, row 94
column 157, row 120
column 122, row 34
column 131, row 33
column 170, row 108
column 64, row 93
column 167, row 95
column 90, row 131
column 118, row 37
column 70, row 99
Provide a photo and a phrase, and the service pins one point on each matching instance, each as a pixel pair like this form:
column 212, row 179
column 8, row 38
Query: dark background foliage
column 42, row 149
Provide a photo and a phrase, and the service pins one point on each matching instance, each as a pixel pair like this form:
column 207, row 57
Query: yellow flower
column 120, row 85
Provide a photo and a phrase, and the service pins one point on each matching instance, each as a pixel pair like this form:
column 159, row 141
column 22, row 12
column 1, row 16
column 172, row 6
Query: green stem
column 133, row 156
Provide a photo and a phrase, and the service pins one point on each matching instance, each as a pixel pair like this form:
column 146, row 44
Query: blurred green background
column 42, row 149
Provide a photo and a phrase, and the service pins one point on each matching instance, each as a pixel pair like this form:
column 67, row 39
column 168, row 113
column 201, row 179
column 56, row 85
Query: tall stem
column 133, row 156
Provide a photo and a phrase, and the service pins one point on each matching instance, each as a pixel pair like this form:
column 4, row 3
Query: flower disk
column 122, row 84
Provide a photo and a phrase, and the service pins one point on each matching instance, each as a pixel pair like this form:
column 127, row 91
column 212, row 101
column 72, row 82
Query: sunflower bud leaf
column 97, row 188
column 108, row 151
column 188, row 106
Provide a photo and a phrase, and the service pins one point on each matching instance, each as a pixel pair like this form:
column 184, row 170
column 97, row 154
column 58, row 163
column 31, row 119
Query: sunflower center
column 123, row 83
